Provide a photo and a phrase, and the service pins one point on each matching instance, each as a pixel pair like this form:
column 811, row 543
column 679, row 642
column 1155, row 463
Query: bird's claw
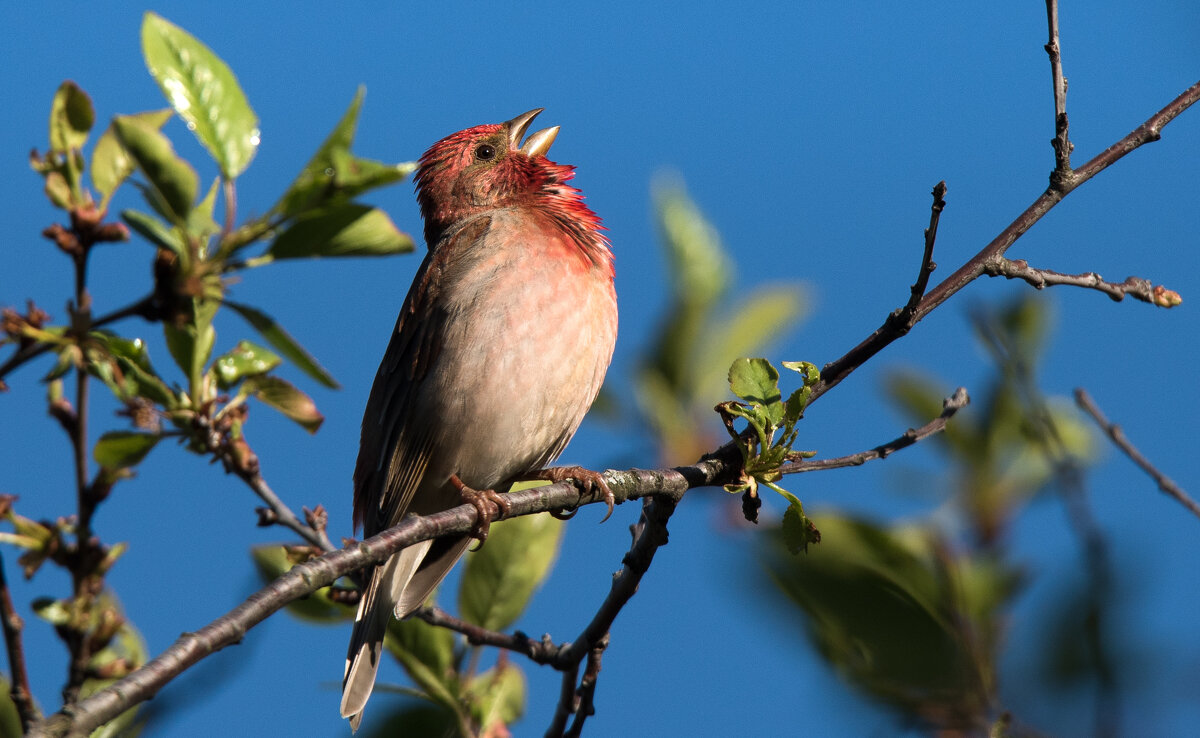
column 587, row 481
column 479, row 499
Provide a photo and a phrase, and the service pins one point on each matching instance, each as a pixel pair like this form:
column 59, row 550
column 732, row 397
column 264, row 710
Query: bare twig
column 950, row 406
column 544, row 651
column 19, row 689
column 917, row 291
column 281, row 514
column 1135, row 287
column 834, row 372
column 586, row 694
column 1061, row 142
column 1114, row 432
column 666, row 485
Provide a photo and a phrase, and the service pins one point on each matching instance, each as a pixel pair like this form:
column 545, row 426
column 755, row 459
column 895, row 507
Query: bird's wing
column 396, row 444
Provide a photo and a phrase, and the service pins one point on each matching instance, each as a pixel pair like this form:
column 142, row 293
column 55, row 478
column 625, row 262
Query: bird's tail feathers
column 375, row 610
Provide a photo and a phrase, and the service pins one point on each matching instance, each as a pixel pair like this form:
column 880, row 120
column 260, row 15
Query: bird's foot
column 479, row 499
column 586, row 479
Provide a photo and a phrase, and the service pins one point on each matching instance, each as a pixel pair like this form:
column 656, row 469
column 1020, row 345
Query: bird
column 498, row 352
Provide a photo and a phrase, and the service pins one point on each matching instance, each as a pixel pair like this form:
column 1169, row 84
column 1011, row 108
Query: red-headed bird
column 500, row 348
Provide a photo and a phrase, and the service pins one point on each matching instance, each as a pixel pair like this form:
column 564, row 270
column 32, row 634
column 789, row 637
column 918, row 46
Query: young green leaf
column 348, row 229
column 498, row 583
column 154, row 231
column 311, row 185
column 71, row 117
column 244, row 360
column 283, row 342
column 123, row 449
column 172, row 180
column 284, row 397
column 191, row 344
column 111, row 164
column 204, row 91
column 754, row 380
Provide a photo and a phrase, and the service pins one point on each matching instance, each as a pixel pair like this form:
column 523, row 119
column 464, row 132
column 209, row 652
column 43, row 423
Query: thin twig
column 586, row 694
column 1061, row 142
column 1114, row 432
column 21, row 696
column 950, row 406
column 834, row 372
column 281, row 514
column 1135, row 287
column 917, row 291
column 543, row 652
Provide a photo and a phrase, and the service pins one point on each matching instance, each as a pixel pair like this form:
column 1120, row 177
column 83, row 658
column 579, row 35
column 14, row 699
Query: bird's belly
column 524, row 365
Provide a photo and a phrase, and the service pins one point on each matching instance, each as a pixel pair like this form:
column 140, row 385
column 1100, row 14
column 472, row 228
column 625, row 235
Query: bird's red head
column 488, row 167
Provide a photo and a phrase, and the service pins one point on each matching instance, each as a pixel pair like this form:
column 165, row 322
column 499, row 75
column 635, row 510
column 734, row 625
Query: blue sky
column 811, row 134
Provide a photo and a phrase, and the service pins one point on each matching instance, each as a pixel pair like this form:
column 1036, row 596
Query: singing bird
column 499, row 350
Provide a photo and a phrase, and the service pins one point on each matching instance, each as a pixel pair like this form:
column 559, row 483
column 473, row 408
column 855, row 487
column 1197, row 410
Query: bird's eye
column 485, row 152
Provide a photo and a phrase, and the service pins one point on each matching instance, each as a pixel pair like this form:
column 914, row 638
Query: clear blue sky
column 811, row 133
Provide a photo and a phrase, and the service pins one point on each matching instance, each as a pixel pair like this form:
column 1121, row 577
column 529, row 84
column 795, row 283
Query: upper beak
column 538, row 143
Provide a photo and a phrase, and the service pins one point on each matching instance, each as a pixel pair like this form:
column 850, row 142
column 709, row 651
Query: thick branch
column 950, row 406
column 87, row 714
column 1135, row 287
column 1165, row 484
column 834, row 372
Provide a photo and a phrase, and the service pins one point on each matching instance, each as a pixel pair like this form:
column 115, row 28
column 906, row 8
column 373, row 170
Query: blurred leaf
column 427, row 654
column 52, row 611
column 58, row 191
column 191, row 345
column 244, row 360
column 154, row 231
column 173, row 182
column 349, row 229
column 500, row 578
column 879, row 609
column 283, row 343
column 761, row 318
column 123, row 449
column 416, row 720
column 499, row 697
column 200, row 221
column 10, row 718
column 797, row 530
column 204, row 91
column 272, row 561
column 111, row 164
column 284, row 397
column 71, row 117
column 124, row 653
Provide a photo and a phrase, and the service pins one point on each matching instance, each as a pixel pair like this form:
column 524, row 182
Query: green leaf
column 754, row 380
column 154, row 231
column 191, row 344
column 244, row 360
column 10, row 718
column 52, row 611
column 283, row 343
column 498, row 580
column 111, row 164
column 58, row 190
column 204, row 91
column 71, row 117
column 349, row 229
column 798, row 530
column 334, row 174
column 499, row 697
column 764, row 316
column 427, row 653
column 123, row 449
column 284, row 397
column 200, row 221
column 173, row 182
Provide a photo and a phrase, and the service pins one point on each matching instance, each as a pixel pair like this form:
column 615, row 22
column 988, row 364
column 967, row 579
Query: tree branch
column 12, row 624
column 1134, row 287
column 668, row 485
column 1061, row 142
column 1114, row 432
column 950, row 406
column 834, row 372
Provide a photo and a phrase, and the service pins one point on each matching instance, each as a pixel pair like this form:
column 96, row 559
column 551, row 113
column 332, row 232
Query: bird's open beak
column 538, row 143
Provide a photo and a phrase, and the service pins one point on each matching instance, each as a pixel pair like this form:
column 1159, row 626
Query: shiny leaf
column 244, row 360
column 204, row 91
column 173, row 183
column 111, row 164
column 284, row 397
column 754, row 380
column 499, row 580
column 71, row 117
column 123, row 449
column 348, row 229
column 283, row 342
